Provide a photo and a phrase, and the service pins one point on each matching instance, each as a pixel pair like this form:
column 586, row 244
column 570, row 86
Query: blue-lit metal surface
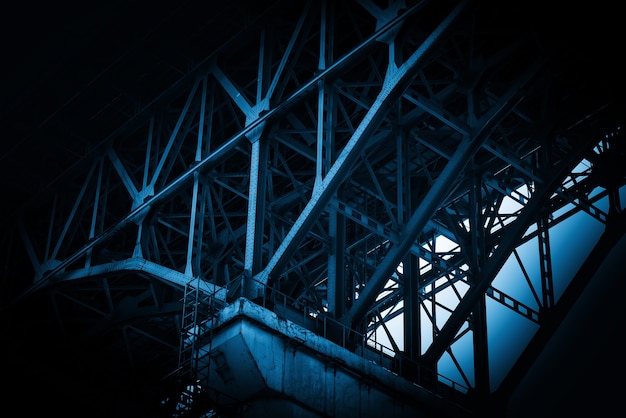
column 400, row 169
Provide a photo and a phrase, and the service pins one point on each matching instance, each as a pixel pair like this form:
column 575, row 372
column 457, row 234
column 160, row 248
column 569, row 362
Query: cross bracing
column 374, row 164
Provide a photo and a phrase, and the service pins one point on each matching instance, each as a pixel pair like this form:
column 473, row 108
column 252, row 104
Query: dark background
column 53, row 52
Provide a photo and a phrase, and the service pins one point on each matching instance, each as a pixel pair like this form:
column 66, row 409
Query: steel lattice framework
column 356, row 161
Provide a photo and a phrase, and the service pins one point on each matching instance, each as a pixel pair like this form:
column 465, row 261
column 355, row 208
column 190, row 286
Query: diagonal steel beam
column 593, row 266
column 493, row 265
column 396, row 81
column 140, row 265
column 436, row 196
column 222, row 151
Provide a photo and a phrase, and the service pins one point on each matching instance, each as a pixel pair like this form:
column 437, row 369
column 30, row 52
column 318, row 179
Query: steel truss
column 356, row 159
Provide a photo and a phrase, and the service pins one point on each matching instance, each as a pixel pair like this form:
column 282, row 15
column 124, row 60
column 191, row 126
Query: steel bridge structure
column 388, row 177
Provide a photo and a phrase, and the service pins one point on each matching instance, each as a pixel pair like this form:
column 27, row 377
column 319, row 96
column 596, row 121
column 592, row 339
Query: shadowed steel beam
column 70, row 217
column 158, row 271
column 396, row 81
column 192, row 224
column 493, row 265
column 123, row 174
column 434, row 198
column 170, row 143
column 240, row 100
column 287, row 54
column 221, row 152
column 96, row 207
column 593, row 266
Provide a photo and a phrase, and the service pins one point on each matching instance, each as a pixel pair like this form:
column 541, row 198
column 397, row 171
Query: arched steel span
column 363, row 161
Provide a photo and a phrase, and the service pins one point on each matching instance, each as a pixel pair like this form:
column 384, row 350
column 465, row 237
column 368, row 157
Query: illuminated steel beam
column 506, row 246
column 396, row 81
column 435, row 195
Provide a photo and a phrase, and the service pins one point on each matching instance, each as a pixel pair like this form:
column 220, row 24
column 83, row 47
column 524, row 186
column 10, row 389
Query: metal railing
column 319, row 322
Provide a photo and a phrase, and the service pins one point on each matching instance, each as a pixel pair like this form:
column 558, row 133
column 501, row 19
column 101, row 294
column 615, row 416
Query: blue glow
column 463, row 351
column 508, row 331
column 571, row 242
column 511, row 279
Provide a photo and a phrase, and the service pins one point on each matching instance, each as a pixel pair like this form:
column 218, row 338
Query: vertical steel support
column 543, row 241
column 435, row 195
column 199, row 232
column 192, row 225
column 256, row 216
column 321, row 169
column 326, row 113
column 495, row 262
column 336, row 265
column 410, row 263
column 478, row 318
column 319, row 160
column 412, row 333
column 196, row 219
column 258, row 180
column 545, row 261
column 396, row 81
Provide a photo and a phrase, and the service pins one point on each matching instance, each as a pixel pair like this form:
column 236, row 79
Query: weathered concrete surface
column 264, row 365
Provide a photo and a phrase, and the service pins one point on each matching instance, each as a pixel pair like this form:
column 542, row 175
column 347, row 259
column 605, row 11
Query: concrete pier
column 263, row 365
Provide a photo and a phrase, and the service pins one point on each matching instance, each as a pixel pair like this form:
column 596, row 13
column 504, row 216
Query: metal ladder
column 199, row 311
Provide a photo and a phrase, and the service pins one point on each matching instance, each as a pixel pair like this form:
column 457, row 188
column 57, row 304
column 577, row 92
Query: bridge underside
column 314, row 207
column 261, row 364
